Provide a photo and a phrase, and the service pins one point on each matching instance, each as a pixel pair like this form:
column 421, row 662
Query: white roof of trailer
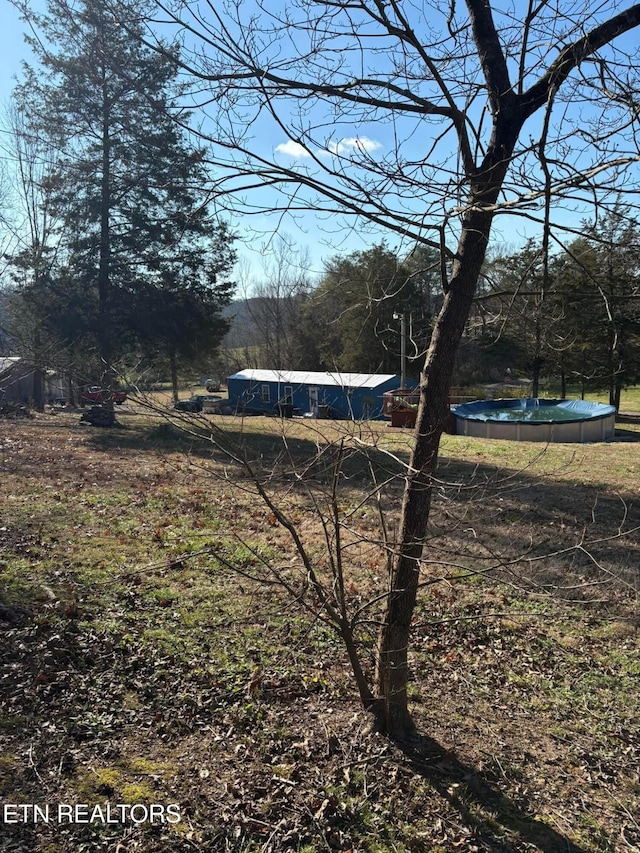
column 310, row 377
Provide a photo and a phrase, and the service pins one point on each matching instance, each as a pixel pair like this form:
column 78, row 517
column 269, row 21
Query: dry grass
column 138, row 667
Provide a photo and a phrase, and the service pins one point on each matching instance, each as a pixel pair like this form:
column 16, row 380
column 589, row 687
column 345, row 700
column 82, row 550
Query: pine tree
column 355, row 310
column 135, row 218
column 600, row 283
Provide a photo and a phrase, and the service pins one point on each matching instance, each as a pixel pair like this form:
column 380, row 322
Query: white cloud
column 292, row 149
column 354, row 143
column 350, row 145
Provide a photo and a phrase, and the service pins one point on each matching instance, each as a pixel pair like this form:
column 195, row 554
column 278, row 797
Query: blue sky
column 11, row 45
column 13, row 50
column 324, row 233
column 376, row 135
column 256, row 235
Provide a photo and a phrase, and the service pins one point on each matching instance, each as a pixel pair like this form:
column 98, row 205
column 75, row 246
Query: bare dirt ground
column 137, row 668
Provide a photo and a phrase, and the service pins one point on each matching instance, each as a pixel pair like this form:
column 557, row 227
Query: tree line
column 572, row 319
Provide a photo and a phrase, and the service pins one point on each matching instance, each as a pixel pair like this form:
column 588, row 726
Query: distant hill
column 243, row 331
column 246, row 321
column 262, row 333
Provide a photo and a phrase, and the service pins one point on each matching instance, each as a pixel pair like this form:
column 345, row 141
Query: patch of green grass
column 8, row 768
column 147, row 766
column 10, row 723
column 98, row 784
column 178, row 677
column 19, row 586
column 629, row 398
column 164, row 596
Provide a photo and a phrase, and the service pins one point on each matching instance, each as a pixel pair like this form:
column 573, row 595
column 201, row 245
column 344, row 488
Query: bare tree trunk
column 391, row 709
column 104, row 265
column 617, row 395
column 537, row 357
column 611, row 364
column 38, row 374
column 174, row 377
column 73, row 392
column 38, row 388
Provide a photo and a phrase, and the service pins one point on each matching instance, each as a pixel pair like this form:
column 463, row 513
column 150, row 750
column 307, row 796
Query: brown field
column 148, row 658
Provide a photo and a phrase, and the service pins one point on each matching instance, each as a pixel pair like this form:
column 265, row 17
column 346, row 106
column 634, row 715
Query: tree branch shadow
column 485, row 809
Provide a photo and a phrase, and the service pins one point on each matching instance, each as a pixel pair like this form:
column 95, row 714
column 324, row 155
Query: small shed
column 356, row 396
column 16, row 382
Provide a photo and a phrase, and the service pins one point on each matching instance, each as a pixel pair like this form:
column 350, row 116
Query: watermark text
column 81, row 813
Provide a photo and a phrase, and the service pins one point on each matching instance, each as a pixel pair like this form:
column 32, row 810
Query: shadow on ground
column 491, row 817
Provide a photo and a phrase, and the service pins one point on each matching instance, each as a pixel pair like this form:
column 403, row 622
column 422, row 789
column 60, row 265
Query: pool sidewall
column 594, row 421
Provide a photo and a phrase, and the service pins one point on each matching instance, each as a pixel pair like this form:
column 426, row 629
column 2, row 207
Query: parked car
column 212, row 385
column 96, row 394
column 193, row 404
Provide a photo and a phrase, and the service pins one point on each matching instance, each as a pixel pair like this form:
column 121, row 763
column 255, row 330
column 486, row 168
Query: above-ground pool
column 535, row 419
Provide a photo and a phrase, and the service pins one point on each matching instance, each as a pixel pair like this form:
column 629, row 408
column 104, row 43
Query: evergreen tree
column 523, row 321
column 350, row 316
column 177, row 317
column 600, row 285
column 135, row 217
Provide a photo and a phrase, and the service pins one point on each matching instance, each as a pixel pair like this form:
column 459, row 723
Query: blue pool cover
column 533, row 410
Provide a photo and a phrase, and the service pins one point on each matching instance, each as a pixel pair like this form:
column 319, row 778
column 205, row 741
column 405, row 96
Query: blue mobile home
column 357, row 396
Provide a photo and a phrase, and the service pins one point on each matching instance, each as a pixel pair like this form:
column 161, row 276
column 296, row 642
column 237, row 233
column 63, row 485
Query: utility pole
column 403, row 348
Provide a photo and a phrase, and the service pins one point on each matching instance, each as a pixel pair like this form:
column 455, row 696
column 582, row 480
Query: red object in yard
column 95, row 394
column 403, row 418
